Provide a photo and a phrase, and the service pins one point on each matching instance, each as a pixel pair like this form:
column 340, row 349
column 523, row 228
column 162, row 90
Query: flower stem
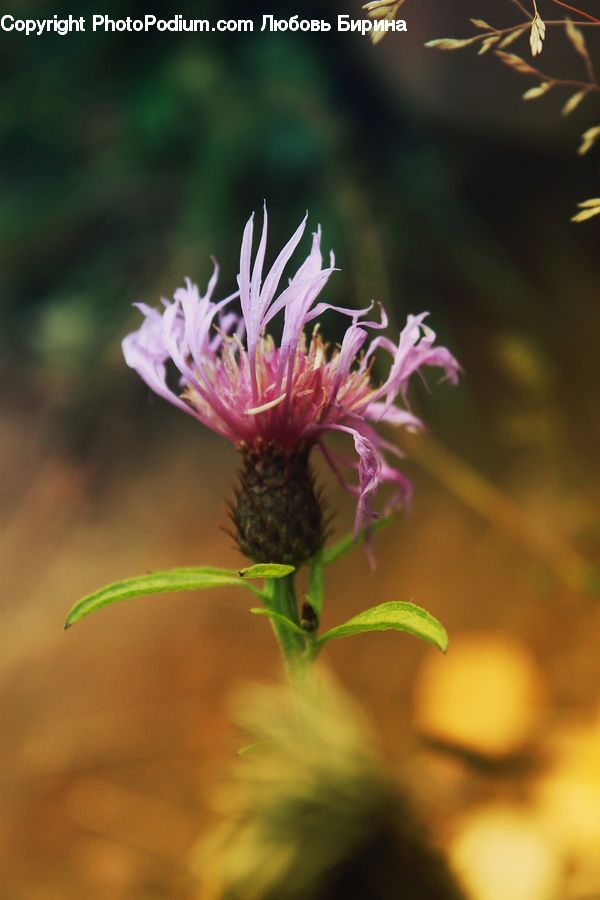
column 298, row 650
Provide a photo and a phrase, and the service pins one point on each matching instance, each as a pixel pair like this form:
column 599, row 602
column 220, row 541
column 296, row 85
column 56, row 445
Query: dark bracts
column 277, row 512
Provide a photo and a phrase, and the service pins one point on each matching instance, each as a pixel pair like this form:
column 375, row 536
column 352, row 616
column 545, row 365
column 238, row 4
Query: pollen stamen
column 265, row 406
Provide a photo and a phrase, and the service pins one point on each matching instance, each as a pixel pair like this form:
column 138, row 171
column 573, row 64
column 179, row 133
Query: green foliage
column 193, row 578
column 278, row 617
column 266, row 570
column 393, row 616
column 316, row 586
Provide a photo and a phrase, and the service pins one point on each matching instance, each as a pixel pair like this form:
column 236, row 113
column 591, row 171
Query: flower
column 278, row 401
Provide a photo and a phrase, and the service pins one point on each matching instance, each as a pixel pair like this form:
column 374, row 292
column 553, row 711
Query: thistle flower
column 276, row 402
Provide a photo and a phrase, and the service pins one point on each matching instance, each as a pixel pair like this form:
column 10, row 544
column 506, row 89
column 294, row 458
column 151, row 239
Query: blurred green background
column 127, row 160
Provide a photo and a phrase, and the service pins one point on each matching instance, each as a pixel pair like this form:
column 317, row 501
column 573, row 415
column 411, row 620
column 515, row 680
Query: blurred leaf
column 574, row 101
column 393, row 616
column 266, row 570
column 481, row 23
column 184, row 579
column 538, row 91
column 315, row 583
column 586, row 204
column 575, row 35
column 515, row 62
column 512, row 36
column 348, row 542
column 283, row 620
column 449, row 43
column 382, row 9
column 588, row 139
column 488, row 43
column 589, row 208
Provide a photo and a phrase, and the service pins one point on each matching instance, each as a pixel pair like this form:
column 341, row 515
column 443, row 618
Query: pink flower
column 237, row 381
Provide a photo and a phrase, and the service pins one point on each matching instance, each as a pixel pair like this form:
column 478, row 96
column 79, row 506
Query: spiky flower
column 276, row 402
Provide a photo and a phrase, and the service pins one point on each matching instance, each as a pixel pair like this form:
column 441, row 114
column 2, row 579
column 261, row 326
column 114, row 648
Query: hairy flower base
column 277, row 512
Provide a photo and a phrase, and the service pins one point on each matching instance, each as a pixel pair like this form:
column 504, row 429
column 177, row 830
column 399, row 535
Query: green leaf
column 316, row 583
column 341, row 547
column 192, row 578
column 283, row 620
column 393, row 616
column 266, row 570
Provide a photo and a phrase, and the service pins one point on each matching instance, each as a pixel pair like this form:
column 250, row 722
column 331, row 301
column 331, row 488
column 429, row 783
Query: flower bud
column 277, row 512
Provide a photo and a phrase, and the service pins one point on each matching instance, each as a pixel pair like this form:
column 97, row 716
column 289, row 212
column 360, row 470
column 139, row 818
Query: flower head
column 278, row 401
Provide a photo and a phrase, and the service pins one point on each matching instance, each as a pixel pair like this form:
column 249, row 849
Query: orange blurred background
column 437, row 191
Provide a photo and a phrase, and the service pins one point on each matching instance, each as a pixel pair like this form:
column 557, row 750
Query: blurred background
column 127, row 161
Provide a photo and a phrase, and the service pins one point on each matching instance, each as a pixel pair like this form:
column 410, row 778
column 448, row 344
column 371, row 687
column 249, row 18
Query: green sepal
column 393, row 616
column 191, row 578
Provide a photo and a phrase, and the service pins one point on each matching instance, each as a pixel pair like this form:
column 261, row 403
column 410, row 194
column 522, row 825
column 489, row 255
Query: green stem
column 297, row 650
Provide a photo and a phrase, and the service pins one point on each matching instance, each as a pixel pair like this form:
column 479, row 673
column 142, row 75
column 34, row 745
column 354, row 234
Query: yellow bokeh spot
column 485, row 695
column 502, row 853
